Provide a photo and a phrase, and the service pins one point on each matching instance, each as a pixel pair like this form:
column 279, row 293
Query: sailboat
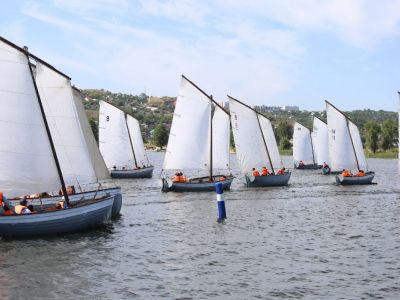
column 256, row 145
column 198, row 141
column 28, row 160
column 76, row 148
column 121, row 144
column 321, row 144
column 303, row 148
column 345, row 147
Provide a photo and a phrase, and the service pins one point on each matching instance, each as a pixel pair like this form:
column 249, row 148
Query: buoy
column 220, row 202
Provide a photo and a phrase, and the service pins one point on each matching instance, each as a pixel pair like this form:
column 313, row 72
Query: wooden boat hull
column 308, row 167
column 139, row 173
column 196, row 185
column 80, row 197
column 270, row 180
column 355, row 180
column 81, row 217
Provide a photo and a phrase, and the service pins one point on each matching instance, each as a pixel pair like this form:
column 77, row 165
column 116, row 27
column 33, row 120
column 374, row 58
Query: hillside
column 151, row 111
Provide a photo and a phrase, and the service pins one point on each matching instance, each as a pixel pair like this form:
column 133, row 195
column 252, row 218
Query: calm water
column 310, row 240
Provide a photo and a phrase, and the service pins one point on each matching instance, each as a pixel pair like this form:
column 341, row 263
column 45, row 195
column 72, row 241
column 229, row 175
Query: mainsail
column 320, row 141
column 302, row 145
column 26, row 160
column 255, row 141
column 56, row 95
column 114, row 140
column 190, row 135
column 221, row 132
column 345, row 146
column 98, row 163
column 140, row 155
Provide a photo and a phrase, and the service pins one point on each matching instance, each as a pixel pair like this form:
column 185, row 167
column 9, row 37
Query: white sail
column 221, row 135
column 98, row 164
column 250, row 148
column 270, row 141
column 137, row 142
column 320, row 141
column 302, row 145
column 58, row 103
column 114, row 141
column 341, row 154
column 358, row 147
column 27, row 164
column 189, row 139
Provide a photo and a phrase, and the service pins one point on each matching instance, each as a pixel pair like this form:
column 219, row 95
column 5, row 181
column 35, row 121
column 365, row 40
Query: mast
column 211, row 142
column 259, row 125
column 53, row 149
column 312, row 148
column 348, row 129
column 130, row 140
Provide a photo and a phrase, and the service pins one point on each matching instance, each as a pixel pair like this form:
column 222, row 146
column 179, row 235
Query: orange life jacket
column 176, row 178
column 8, row 212
column 360, row 174
column 346, row 173
column 1, row 199
column 182, row 179
column 280, row 172
column 256, row 173
column 264, row 172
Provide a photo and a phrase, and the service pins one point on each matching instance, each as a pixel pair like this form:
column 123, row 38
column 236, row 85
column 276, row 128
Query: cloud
column 253, row 50
column 359, row 23
column 94, row 6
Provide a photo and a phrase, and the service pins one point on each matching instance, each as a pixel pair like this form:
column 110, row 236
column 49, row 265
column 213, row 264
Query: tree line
column 378, row 129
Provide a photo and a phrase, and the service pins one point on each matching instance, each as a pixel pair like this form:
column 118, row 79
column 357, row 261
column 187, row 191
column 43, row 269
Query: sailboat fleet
column 49, row 153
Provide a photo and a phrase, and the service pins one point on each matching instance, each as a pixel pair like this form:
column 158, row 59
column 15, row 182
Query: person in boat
column 222, row 178
column 22, row 208
column 301, row 163
column 176, row 178
column 325, row 165
column 264, row 171
column 179, row 178
column 7, row 211
column 346, row 173
column 114, row 167
column 183, row 178
column 360, row 173
column 3, row 203
column 255, row 172
column 281, row 171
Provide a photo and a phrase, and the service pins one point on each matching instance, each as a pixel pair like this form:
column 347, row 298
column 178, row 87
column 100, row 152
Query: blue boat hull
column 308, row 167
column 270, row 180
column 139, row 173
column 355, row 180
column 74, row 219
column 196, row 185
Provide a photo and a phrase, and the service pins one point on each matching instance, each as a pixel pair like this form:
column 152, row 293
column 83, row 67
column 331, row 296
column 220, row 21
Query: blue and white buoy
column 221, row 202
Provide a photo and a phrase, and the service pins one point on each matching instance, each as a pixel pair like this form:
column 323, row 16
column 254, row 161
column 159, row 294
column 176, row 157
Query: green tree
column 95, row 129
column 389, row 134
column 372, row 135
column 160, row 135
column 284, row 133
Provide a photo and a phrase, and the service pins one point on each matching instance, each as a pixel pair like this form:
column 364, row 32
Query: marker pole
column 220, row 202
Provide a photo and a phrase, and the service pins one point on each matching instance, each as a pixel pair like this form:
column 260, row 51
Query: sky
column 263, row 52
